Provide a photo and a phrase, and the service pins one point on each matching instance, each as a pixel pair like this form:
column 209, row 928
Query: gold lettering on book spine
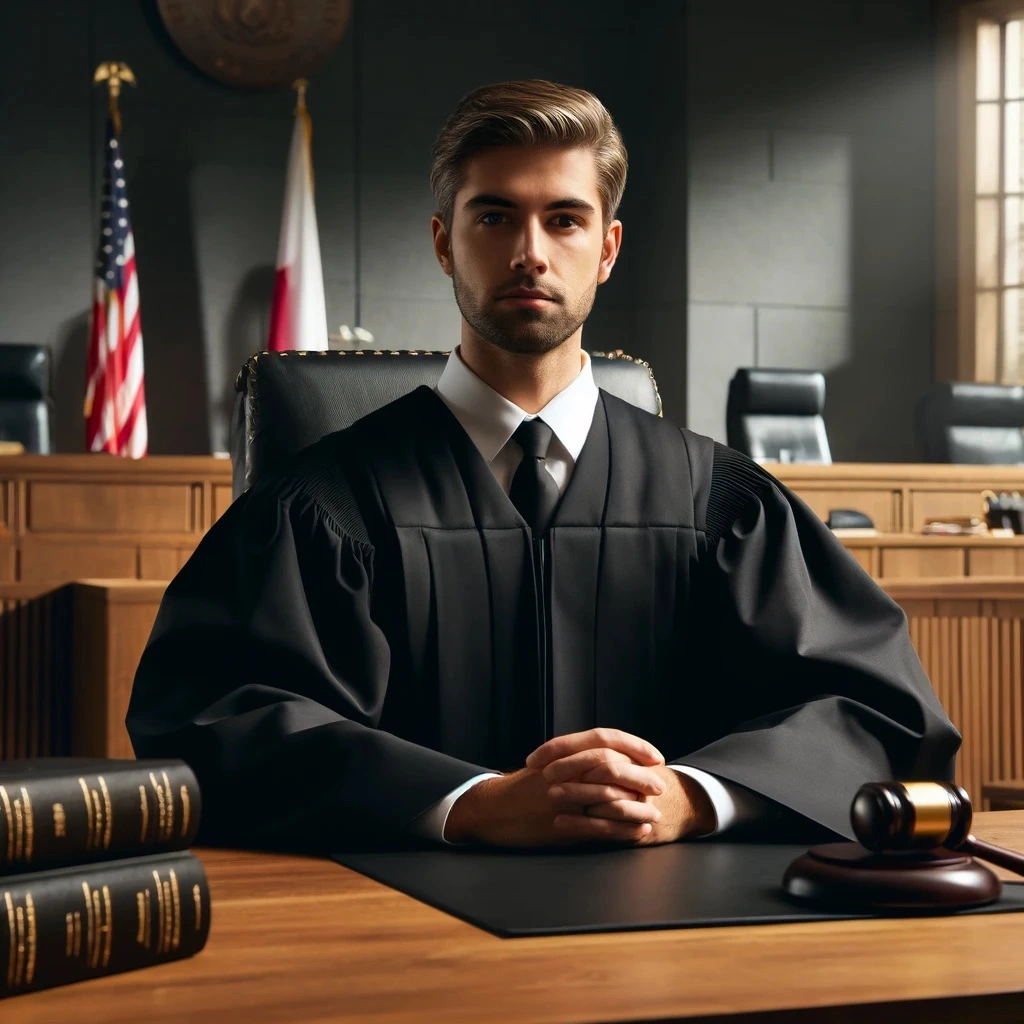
column 60, row 822
column 149, row 920
column 90, row 927
column 108, row 814
column 197, row 899
column 30, row 910
column 161, row 806
column 78, row 934
column 97, row 818
column 94, row 954
column 140, row 917
column 159, row 912
column 176, row 909
column 186, row 811
column 88, row 813
column 30, row 825
column 69, row 933
column 108, row 926
column 144, row 807
column 19, row 831
column 169, row 796
column 12, row 945
column 8, row 815
column 19, row 966
column 168, row 918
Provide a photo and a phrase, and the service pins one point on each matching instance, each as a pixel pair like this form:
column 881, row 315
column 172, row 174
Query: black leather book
column 59, row 811
column 88, row 921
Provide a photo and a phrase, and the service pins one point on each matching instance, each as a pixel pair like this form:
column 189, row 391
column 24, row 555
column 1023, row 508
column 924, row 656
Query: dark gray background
column 779, row 210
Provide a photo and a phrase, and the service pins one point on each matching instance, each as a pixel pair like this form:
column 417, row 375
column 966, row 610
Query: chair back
column 979, row 424
column 285, row 401
column 776, row 415
column 25, row 406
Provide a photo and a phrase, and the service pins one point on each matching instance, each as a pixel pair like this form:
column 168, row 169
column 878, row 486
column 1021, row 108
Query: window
column 999, row 198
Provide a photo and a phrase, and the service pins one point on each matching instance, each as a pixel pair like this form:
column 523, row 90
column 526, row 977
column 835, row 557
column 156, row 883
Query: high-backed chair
column 966, row 422
column 287, row 400
column 776, row 415
column 25, row 407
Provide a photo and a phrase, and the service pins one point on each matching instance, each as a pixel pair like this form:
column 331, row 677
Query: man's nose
column 530, row 254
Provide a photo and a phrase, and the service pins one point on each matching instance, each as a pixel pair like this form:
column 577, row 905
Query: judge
column 513, row 609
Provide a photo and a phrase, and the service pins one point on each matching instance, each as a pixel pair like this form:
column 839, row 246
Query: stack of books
column 96, row 876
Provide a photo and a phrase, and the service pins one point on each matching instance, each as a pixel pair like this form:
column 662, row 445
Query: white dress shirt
column 490, row 420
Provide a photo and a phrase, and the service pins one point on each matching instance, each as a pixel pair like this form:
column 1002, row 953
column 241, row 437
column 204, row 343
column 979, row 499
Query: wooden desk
column 304, row 940
column 899, row 498
column 906, row 556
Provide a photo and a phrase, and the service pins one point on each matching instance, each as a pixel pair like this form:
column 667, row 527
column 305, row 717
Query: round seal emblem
column 258, row 44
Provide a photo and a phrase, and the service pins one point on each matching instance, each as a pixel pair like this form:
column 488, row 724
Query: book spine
column 77, row 818
column 58, row 927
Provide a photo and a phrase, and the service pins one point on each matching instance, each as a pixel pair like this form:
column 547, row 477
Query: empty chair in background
column 776, row 415
column 25, row 404
column 967, row 422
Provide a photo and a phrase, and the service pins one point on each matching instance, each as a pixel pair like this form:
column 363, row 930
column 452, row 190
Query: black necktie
column 533, row 492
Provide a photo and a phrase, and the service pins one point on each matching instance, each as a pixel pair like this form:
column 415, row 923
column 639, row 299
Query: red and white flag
column 298, row 316
column 115, row 394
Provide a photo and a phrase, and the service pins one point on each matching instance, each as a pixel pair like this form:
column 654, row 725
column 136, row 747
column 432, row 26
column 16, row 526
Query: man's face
column 527, row 247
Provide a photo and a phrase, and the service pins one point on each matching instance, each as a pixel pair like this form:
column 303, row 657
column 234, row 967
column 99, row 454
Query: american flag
column 115, row 396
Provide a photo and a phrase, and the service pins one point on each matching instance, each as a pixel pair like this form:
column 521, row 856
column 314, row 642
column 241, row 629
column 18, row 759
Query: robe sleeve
column 266, row 672
column 813, row 686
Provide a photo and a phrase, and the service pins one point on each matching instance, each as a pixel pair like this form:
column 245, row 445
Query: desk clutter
column 96, row 876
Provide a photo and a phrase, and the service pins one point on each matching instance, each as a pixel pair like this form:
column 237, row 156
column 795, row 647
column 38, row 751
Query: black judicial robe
column 365, row 631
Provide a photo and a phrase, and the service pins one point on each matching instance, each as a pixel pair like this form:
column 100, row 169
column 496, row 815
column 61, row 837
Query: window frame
column 959, row 354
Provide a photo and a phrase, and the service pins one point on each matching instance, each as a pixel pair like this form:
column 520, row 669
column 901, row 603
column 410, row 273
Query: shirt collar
column 491, row 419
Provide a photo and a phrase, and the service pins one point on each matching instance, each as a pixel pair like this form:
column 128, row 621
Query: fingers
column 592, row 767
column 636, row 749
column 582, row 828
column 625, row 810
column 582, row 794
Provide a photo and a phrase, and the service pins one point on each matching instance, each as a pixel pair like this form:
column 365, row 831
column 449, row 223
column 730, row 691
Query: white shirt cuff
column 430, row 824
column 734, row 805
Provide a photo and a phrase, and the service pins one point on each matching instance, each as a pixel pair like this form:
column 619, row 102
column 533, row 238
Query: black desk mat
column 680, row 885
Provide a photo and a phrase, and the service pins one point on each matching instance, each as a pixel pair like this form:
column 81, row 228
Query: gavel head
column 890, row 816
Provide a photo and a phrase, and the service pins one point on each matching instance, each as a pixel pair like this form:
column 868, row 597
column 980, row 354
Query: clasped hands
column 597, row 786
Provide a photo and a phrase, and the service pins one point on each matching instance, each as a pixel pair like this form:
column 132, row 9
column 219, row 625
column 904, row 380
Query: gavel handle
column 994, row 854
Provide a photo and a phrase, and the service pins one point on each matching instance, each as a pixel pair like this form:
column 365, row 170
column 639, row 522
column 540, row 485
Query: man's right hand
column 517, row 810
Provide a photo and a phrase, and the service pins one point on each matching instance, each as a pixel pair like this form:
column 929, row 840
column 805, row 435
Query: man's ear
column 609, row 251
column 442, row 244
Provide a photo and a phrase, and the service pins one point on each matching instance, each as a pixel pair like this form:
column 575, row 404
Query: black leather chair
column 287, row 400
column 25, row 405
column 973, row 423
column 775, row 415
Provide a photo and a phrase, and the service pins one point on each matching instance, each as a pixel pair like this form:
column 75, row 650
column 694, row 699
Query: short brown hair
column 533, row 112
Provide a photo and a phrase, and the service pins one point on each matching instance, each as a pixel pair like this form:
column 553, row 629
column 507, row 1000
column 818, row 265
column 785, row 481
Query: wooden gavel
column 891, row 817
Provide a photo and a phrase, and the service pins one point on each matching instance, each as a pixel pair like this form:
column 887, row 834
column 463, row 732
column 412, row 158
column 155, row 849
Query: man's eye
column 565, row 220
column 492, row 218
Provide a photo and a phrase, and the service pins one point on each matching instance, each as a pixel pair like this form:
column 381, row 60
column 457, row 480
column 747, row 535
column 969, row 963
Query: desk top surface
column 297, row 939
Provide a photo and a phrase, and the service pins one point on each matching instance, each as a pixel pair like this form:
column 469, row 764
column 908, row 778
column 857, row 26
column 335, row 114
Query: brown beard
column 523, row 331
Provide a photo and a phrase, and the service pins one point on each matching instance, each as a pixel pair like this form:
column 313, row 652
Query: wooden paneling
column 911, row 563
column 161, row 563
column 112, row 622
column 221, row 501
column 35, row 670
column 44, row 561
column 899, row 498
column 969, row 635
column 883, row 506
column 109, row 507
column 991, row 561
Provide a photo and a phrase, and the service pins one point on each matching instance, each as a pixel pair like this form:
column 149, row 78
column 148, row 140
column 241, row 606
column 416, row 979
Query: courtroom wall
column 811, row 201
column 206, row 169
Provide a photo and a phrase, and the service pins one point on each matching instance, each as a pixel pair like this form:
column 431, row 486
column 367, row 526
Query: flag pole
column 113, row 73
column 300, row 85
